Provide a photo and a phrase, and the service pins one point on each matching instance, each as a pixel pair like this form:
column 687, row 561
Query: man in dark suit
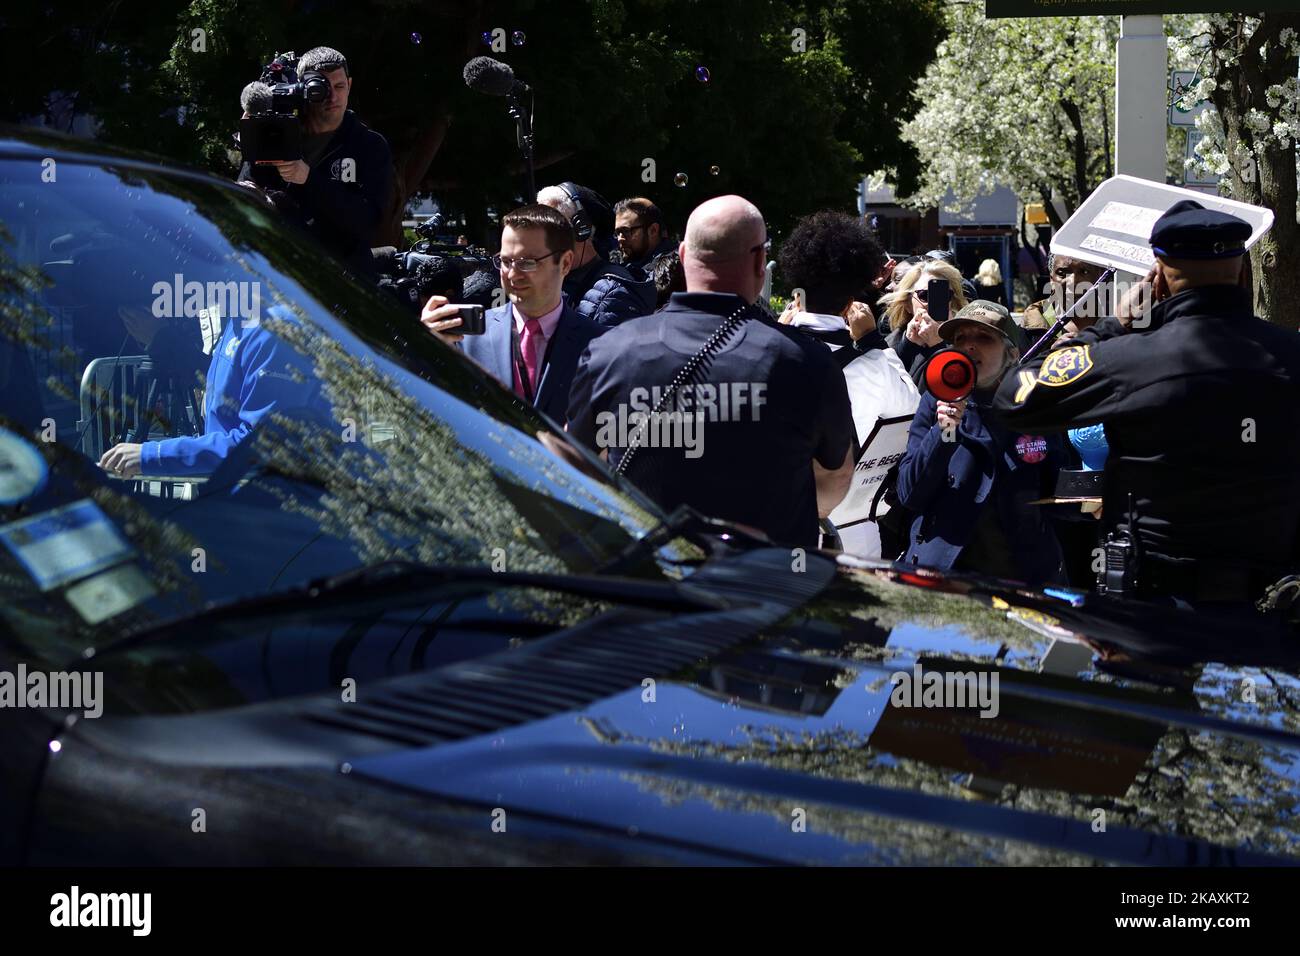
column 532, row 345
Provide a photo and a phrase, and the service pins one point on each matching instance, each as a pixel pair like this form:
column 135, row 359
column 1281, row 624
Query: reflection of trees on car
column 411, row 452
column 1211, row 787
column 28, row 330
column 843, row 755
column 423, row 494
column 890, row 603
column 1207, row 786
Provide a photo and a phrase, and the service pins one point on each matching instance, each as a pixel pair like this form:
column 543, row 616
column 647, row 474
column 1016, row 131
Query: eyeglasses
column 523, row 265
column 623, row 232
column 765, row 245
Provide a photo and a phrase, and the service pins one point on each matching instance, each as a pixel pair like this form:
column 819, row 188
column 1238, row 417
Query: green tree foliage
column 789, row 119
column 1027, row 102
column 1247, row 68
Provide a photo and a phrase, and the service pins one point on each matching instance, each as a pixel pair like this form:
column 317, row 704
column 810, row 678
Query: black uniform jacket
column 346, row 194
column 769, row 401
column 1202, row 414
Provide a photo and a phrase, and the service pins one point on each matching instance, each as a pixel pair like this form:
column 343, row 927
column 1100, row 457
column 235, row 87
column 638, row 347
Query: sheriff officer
column 1200, row 401
column 740, row 418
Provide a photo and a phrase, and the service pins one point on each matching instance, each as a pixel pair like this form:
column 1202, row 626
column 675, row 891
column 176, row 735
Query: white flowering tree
column 1247, row 67
column 1027, row 102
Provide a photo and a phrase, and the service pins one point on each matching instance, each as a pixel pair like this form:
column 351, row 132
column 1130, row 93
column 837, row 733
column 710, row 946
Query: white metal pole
column 1141, row 111
column 1141, row 104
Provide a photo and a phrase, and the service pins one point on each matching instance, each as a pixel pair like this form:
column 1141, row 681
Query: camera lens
column 315, row 88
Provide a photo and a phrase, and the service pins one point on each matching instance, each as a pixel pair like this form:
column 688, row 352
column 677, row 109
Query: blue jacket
column 606, row 293
column 948, row 483
column 643, row 268
column 251, row 373
column 495, row 352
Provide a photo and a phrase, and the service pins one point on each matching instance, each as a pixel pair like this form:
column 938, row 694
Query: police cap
column 1188, row 230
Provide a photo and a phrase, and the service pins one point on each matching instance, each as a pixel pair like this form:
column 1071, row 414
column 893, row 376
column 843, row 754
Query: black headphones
column 582, row 227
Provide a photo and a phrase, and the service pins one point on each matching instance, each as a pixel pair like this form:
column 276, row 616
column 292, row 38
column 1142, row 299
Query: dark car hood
column 1112, row 741
column 768, row 730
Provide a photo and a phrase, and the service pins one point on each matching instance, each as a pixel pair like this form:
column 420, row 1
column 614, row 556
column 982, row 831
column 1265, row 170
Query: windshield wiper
column 712, row 535
column 405, row 579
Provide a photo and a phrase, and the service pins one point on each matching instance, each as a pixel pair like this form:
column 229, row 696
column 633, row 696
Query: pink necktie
column 530, row 343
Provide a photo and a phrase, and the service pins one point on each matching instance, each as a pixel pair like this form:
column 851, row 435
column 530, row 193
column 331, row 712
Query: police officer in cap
column 711, row 403
column 1200, row 401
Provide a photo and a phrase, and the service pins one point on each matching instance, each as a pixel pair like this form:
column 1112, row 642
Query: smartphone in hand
column 473, row 320
column 938, row 299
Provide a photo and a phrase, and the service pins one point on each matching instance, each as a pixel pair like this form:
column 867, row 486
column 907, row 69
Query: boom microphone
column 486, row 75
column 950, row 376
column 256, row 98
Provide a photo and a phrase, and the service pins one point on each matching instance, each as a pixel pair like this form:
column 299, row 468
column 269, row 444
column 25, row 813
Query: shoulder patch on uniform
column 1066, row 365
column 1027, row 383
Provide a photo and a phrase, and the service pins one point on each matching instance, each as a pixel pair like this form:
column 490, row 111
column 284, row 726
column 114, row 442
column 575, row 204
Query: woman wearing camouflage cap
column 969, row 480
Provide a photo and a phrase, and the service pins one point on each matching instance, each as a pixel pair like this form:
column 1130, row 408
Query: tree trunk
column 1105, row 135
column 1275, row 258
column 1270, row 179
column 1049, row 207
column 410, row 167
column 1080, row 143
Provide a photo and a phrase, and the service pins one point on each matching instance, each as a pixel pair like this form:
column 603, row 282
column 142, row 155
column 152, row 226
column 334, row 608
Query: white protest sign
column 1113, row 226
column 882, row 450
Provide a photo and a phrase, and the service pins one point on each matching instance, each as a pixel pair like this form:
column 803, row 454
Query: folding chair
column 109, row 409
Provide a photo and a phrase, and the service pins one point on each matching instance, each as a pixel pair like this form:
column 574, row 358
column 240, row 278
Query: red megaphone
column 950, row 376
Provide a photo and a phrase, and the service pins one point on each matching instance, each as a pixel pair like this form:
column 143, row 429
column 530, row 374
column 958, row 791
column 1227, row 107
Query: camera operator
column 413, row 277
column 340, row 186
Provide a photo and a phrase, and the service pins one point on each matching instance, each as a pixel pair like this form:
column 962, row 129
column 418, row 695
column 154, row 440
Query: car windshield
column 292, row 423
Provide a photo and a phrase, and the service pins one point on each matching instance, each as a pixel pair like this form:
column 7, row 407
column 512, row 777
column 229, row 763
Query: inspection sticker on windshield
column 22, row 469
column 65, row 544
column 109, row 594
